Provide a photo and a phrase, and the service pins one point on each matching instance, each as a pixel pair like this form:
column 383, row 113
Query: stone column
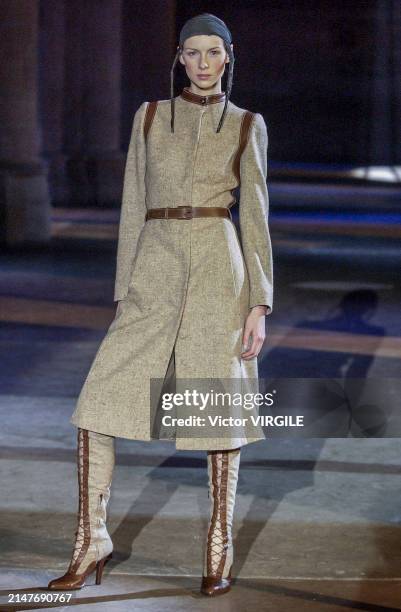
column 103, row 99
column 386, row 85
column 52, row 95
column 93, row 90
column 149, row 41
column 24, row 202
column 396, row 18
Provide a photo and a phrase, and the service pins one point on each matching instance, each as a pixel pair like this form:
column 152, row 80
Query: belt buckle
column 188, row 212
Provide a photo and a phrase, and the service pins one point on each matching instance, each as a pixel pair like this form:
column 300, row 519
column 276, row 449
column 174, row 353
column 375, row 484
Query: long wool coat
column 184, row 287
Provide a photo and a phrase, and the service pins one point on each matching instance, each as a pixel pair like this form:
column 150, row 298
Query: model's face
column 204, row 58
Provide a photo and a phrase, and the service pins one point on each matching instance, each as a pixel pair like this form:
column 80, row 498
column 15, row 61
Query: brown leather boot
column 93, row 546
column 223, row 467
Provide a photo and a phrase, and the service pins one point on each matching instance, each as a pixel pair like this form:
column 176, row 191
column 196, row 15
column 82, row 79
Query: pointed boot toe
column 72, row 581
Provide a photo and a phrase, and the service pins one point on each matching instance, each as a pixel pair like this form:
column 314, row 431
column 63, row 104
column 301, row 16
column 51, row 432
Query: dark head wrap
column 204, row 24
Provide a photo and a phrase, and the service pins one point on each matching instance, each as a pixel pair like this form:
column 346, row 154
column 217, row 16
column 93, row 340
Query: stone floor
column 317, row 522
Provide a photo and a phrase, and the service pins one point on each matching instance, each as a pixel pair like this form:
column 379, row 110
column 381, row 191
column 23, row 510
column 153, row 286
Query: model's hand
column 255, row 328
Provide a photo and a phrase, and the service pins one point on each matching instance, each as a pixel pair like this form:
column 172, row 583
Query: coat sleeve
column 253, row 216
column 133, row 206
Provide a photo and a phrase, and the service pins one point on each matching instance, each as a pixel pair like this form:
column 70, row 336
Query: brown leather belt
column 188, row 212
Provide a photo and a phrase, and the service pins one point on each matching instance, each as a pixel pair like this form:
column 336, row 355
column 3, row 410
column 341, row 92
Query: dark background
column 325, row 74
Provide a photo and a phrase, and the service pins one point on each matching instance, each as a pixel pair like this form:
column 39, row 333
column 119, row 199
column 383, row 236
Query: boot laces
column 80, row 531
column 218, row 537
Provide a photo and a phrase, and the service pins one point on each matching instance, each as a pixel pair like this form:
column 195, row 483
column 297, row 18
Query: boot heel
column 100, row 566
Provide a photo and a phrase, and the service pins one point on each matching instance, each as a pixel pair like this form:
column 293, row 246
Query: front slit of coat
column 157, row 427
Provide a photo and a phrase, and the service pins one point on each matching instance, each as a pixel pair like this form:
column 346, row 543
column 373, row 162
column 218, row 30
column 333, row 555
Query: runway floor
column 318, row 520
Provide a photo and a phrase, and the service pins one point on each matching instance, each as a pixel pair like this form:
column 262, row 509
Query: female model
column 190, row 296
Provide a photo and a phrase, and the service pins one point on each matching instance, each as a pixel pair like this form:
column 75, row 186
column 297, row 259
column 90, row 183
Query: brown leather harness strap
column 246, row 123
column 150, row 113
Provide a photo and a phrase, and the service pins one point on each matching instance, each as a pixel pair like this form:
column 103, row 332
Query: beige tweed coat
column 184, row 287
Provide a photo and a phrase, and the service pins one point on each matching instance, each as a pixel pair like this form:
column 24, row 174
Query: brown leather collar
column 190, row 96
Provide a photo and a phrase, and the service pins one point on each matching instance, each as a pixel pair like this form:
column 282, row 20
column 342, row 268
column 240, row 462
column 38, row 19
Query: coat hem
column 225, row 444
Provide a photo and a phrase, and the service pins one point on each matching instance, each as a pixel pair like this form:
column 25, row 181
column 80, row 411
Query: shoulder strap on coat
column 150, row 113
column 246, row 122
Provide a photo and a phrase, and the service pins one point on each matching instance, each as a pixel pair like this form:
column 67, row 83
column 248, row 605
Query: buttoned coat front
column 184, row 287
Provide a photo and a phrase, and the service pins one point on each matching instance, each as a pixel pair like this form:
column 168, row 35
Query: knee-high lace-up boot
column 93, row 546
column 223, row 467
